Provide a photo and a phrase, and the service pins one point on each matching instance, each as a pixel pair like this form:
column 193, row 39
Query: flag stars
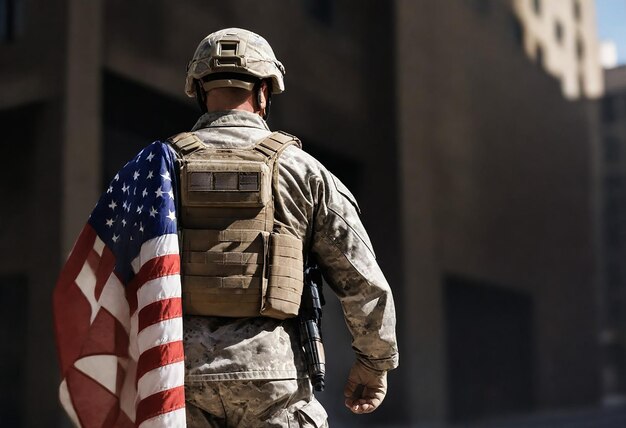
column 124, row 222
column 139, row 210
column 125, row 188
column 125, row 205
column 166, row 176
column 113, row 205
column 110, row 222
column 115, row 237
column 145, row 192
column 136, row 175
column 170, row 193
column 150, row 157
column 150, row 175
column 159, row 192
column 110, row 189
column 117, row 177
column 153, row 212
column 171, row 215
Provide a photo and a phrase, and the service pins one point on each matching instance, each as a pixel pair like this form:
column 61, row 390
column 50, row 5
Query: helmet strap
column 200, row 95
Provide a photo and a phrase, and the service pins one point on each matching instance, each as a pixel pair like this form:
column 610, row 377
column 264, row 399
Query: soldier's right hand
column 365, row 389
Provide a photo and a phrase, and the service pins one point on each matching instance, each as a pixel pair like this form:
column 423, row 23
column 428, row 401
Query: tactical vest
column 233, row 262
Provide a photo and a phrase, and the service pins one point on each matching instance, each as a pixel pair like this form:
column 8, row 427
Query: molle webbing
column 233, row 264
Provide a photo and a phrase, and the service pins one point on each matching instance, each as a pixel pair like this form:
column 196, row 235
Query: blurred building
column 611, row 213
column 562, row 38
column 471, row 170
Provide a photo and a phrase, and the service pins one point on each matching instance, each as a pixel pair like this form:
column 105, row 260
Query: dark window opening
column 517, row 31
column 10, row 20
column 483, row 7
column 612, row 149
column 489, row 348
column 580, row 49
column 321, row 10
column 539, row 59
column 558, row 31
column 608, row 109
column 135, row 116
column 577, row 11
column 13, row 329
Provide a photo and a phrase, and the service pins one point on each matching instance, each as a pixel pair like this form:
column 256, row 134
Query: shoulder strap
column 185, row 143
column 273, row 145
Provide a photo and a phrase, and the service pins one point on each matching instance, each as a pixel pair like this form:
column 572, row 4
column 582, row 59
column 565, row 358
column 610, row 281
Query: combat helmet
column 233, row 57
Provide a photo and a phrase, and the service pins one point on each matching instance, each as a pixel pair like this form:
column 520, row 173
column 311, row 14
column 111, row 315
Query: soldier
column 254, row 207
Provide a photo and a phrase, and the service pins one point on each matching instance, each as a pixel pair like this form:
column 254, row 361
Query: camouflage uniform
column 245, row 364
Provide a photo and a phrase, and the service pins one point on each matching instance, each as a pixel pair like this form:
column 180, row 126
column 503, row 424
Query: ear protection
column 200, row 95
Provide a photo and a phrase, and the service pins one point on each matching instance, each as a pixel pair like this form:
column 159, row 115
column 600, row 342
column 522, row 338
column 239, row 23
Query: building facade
column 469, row 166
column 561, row 37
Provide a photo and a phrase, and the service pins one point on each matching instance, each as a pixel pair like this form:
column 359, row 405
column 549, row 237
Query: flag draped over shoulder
column 117, row 304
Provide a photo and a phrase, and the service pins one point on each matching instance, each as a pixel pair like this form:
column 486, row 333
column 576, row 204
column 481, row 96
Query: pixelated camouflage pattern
column 278, row 403
column 257, row 54
column 315, row 206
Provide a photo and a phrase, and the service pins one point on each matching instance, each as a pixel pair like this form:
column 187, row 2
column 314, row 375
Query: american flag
column 117, row 304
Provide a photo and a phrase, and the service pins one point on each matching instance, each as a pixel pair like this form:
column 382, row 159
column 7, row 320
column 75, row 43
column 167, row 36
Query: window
column 483, row 7
column 539, row 56
column 577, row 12
column 321, row 10
column 608, row 109
column 10, row 20
column 517, row 31
column 558, row 31
column 612, row 149
column 580, row 48
column 537, row 6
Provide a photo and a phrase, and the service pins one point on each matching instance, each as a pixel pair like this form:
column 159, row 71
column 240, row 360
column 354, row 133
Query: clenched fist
column 365, row 389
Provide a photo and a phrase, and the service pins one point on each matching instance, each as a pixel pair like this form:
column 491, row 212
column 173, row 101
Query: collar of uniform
column 230, row 118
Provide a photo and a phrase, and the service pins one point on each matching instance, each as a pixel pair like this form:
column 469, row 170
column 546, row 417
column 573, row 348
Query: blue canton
column 138, row 205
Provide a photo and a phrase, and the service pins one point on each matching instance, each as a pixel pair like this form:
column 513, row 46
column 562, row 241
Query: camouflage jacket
column 315, row 206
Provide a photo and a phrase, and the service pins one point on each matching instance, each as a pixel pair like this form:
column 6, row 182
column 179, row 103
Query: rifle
column 310, row 317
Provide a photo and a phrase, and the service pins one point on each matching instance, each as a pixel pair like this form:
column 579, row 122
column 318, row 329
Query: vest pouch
column 285, row 277
column 225, row 183
column 223, row 272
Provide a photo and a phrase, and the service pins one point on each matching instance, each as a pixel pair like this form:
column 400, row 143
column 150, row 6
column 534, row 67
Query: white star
column 112, row 205
column 131, row 238
column 110, row 222
column 136, row 175
column 145, row 192
column 140, row 209
column 115, row 237
column 150, row 175
column 110, row 189
column 159, row 192
column 171, row 215
column 135, row 191
column 141, row 227
column 117, row 177
column 124, row 222
column 170, row 194
column 166, row 176
column 153, row 212
column 125, row 188
column 150, row 157
column 125, row 205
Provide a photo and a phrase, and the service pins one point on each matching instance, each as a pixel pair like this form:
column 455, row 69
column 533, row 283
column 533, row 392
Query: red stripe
column 76, row 260
column 160, row 311
column 104, row 270
column 152, row 269
column 159, row 403
column 159, row 356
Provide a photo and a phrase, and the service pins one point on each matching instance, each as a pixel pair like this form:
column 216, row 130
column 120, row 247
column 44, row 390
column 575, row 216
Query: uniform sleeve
column 314, row 205
column 344, row 251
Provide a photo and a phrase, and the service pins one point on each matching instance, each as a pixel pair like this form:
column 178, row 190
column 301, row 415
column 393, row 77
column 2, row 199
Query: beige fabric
column 232, row 262
column 315, row 207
